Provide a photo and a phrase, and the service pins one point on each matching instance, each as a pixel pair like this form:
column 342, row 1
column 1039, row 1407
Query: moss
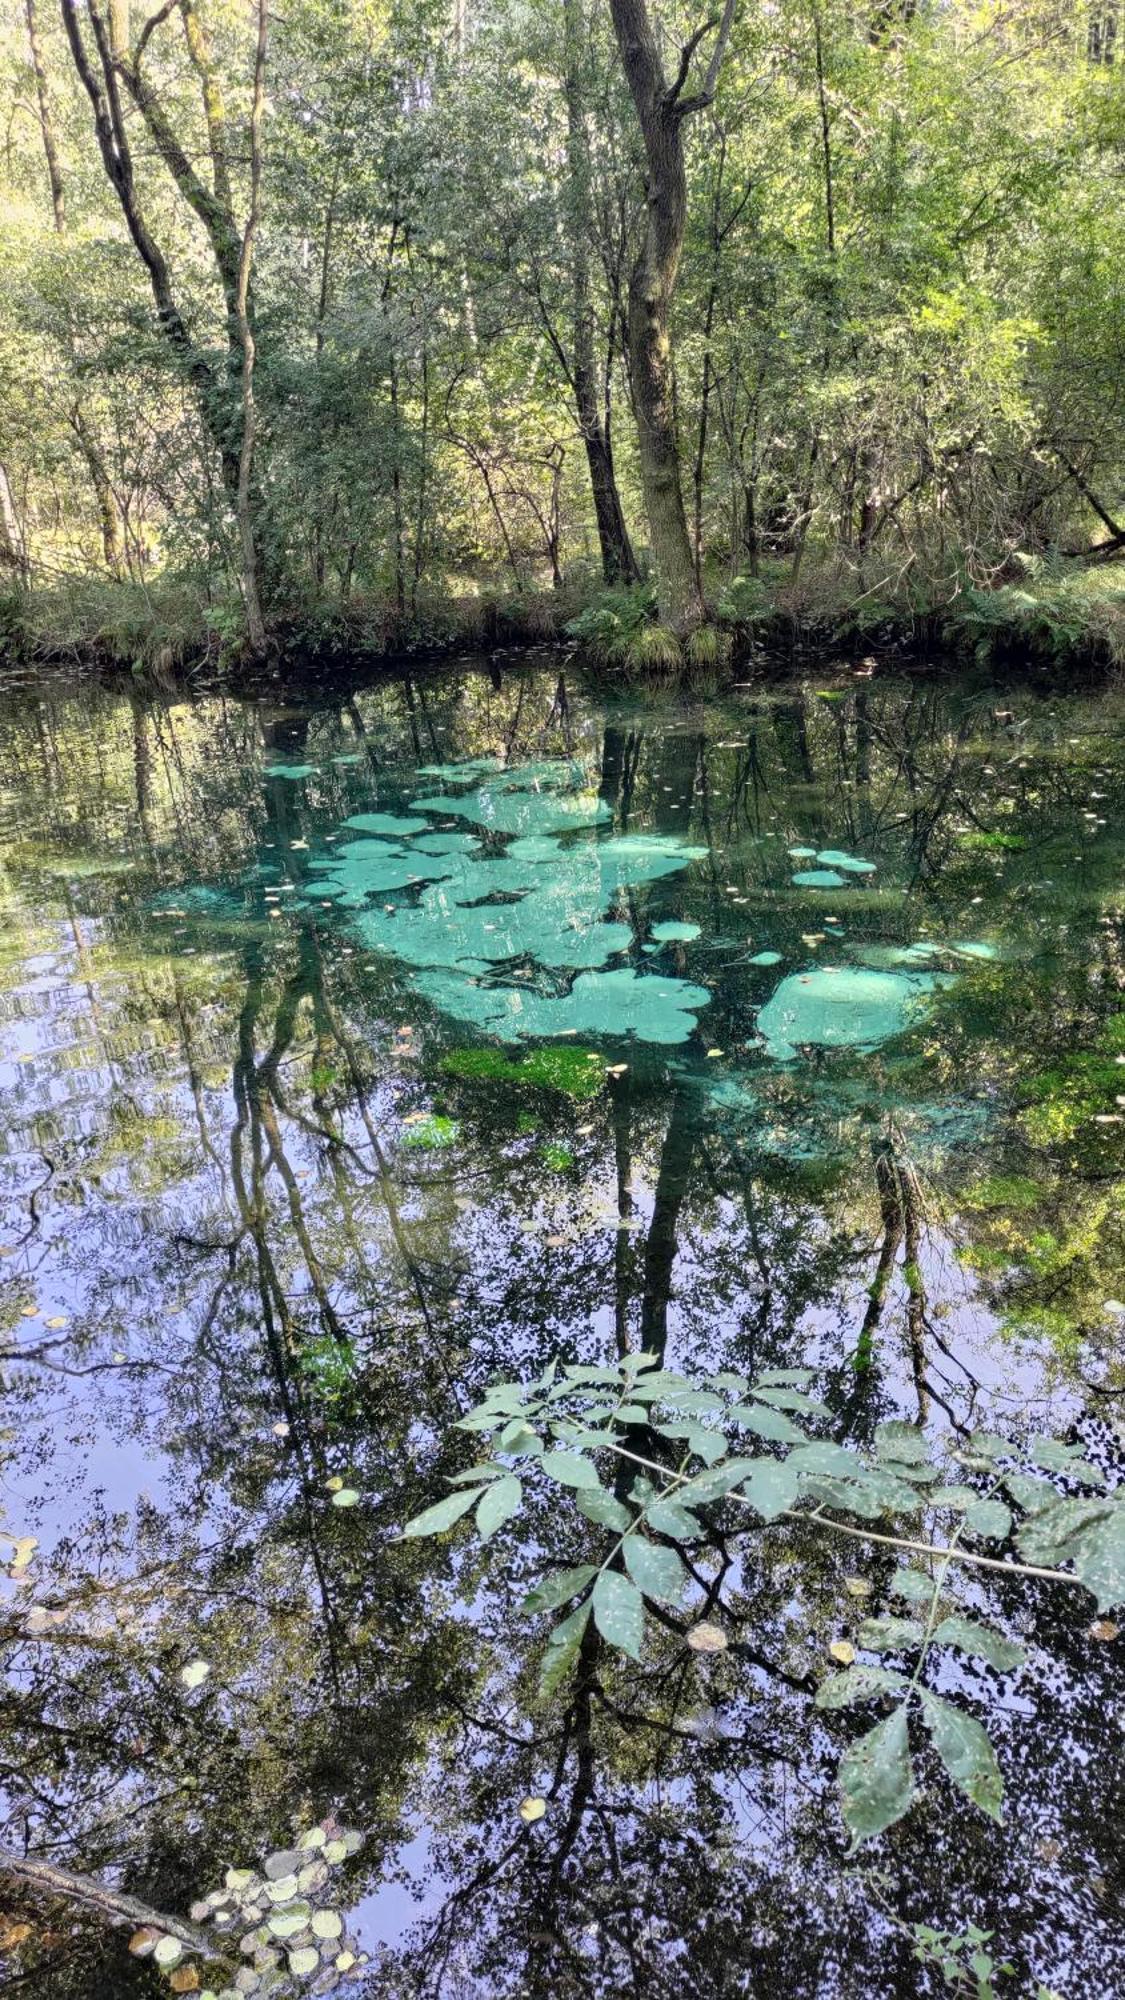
column 558, row 1158
column 431, row 1134
column 576, row 1072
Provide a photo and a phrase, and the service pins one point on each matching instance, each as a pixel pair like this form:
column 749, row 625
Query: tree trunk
column 660, row 113
column 619, row 564
column 46, row 119
column 255, row 624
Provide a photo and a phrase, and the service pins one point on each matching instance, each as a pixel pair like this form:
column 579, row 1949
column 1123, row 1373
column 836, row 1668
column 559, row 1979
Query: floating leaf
column 843, row 1651
column 303, row 1961
column 327, row 1924
column 562, row 1649
column 315, row 1836
column 195, row 1673
column 655, row 1570
column 876, row 1778
column 966, row 1752
column 858, row 1586
column 532, row 1809
column 498, row 1504
column 346, row 1497
column 980, row 1641
column 168, row 1952
column 435, row 1520
column 707, row 1638
column 619, row 1612
column 858, row 1684
column 143, row 1943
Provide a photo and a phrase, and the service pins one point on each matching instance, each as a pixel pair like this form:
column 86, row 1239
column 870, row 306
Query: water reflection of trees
column 300, row 1300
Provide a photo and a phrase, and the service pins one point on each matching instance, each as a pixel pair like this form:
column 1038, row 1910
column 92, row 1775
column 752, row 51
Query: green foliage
column 575, row 1071
column 685, row 1472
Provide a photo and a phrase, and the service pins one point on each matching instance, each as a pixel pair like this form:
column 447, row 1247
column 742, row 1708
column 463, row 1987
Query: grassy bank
column 1061, row 618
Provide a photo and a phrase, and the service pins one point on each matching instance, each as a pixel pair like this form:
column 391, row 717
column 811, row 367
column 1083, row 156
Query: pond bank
column 1073, row 624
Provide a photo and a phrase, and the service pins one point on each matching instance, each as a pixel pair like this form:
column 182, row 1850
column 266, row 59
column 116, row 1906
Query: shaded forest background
column 366, row 318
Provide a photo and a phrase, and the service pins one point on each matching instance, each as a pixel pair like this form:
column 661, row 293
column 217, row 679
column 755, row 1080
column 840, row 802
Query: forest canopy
column 626, row 313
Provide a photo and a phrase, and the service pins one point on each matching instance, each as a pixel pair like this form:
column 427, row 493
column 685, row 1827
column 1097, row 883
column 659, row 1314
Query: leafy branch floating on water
column 677, row 1475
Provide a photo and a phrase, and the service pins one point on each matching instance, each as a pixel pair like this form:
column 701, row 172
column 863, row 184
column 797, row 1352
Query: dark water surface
column 832, row 980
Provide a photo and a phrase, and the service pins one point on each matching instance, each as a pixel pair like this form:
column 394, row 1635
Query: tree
column 661, row 114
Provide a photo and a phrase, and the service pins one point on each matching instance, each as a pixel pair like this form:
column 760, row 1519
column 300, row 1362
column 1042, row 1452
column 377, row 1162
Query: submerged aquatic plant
column 576, row 1072
column 660, row 1462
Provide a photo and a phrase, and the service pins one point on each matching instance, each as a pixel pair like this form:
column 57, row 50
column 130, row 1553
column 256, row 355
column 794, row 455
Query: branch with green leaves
column 665, row 1464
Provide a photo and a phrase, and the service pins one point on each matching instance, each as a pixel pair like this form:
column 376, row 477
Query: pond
column 368, row 1048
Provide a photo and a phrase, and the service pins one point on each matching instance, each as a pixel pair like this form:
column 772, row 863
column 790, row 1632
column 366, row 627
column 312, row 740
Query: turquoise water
column 363, row 1048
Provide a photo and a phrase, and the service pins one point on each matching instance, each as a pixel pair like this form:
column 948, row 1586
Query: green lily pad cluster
column 697, row 1449
column 841, row 1007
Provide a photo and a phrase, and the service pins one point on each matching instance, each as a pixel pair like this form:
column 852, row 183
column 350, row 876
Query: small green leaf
column 830, row 1458
column 1059, row 1457
column 901, row 1441
column 619, row 1612
column 435, row 1520
column 602, row 1507
column 710, row 1446
column 858, row 1684
column 876, row 1778
column 913, row 1584
column 966, row 1752
column 770, row 1486
column 890, row 1635
column 772, row 1425
column 498, row 1503
column 667, row 1517
column 475, row 1475
column 655, row 1570
column 1033, row 1495
column 989, row 1518
column 981, row 1641
column 559, row 1589
column 562, row 1649
column 789, row 1399
column 954, row 1496
column 569, row 1468
column 347, row 1496
column 786, row 1378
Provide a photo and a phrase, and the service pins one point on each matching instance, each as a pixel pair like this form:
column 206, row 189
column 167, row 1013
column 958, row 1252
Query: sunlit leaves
column 771, row 1485
column 569, row 1468
column 858, row 1684
column 876, row 1778
column 497, row 1504
column 966, row 1752
column 668, row 1517
column 969, row 1636
column 619, row 1612
column 559, row 1589
column 436, row 1519
column 598, row 1505
column 657, row 1571
column 563, row 1648
column 1088, row 1533
column 891, row 1635
column 989, row 1518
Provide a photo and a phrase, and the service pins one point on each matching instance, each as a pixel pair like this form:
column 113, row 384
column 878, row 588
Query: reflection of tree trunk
column 622, row 1249
column 672, row 1182
column 886, row 1182
column 900, row 1203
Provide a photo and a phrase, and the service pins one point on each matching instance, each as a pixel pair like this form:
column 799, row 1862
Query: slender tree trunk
column 255, row 624
column 46, row 119
column 619, row 564
column 661, row 113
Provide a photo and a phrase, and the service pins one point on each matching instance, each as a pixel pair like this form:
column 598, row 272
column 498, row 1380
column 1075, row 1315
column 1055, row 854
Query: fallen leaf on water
column 532, row 1809
column 843, row 1651
column 857, row 1586
column 707, row 1638
column 143, row 1943
column 1103, row 1628
column 195, row 1673
column 185, row 1979
column 334, row 1484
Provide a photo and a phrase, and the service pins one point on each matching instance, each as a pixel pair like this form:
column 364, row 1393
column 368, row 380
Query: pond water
column 364, row 1049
